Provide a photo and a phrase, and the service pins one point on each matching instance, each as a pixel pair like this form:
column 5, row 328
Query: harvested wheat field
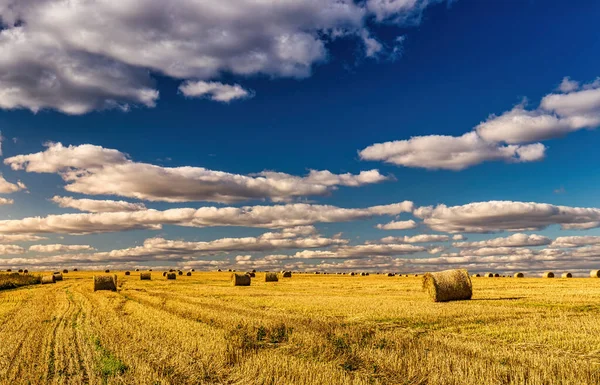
column 311, row 329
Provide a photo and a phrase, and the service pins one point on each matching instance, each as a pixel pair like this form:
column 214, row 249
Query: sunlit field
column 308, row 329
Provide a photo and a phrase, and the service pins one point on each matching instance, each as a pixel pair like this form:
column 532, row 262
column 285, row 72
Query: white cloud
column 278, row 216
column 514, row 240
column 6, row 201
column 8, row 238
column 11, row 249
column 6, row 187
column 92, row 205
column 421, row 238
column 458, row 237
column 576, row 241
column 449, row 152
column 398, row 225
column 78, row 56
column 575, row 108
column 59, row 248
column 216, row 91
column 95, row 170
column 492, row 216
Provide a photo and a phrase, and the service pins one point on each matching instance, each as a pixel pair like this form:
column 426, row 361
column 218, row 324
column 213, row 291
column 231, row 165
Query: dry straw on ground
column 448, row 285
column 548, row 274
column 145, row 276
column 47, row 279
column 519, row 275
column 271, row 277
column 287, row 274
column 171, row 275
column 595, row 273
column 567, row 275
column 240, row 279
column 105, row 282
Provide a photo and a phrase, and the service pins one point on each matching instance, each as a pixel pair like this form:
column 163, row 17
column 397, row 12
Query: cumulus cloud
column 95, row 206
column 11, row 249
column 398, row 225
column 458, row 237
column 59, row 248
column 95, row 170
column 6, row 187
column 576, row 241
column 574, row 108
column 421, row 238
column 449, row 152
column 278, row 216
column 6, row 201
column 216, row 91
column 9, row 238
column 493, row 216
column 514, row 240
column 81, row 56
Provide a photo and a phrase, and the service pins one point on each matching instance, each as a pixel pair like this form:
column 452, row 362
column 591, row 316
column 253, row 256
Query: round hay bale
column 107, row 271
column 171, row 270
column 240, row 279
column 8, row 270
column 548, row 274
column 254, row 270
column 65, row 271
column 164, row 273
column 137, row 269
column 219, row 270
column 251, row 274
column 595, row 273
column 390, row 274
column 25, row 271
column 193, row 270
column 352, row 273
column 20, row 270
column 171, row 276
column 229, row 270
column 317, row 272
column 496, row 275
column 146, row 276
column 363, row 274
column 288, row 274
column 180, row 272
column 58, row 276
column 271, row 277
column 489, row 275
column 48, row 279
column 567, row 275
column 519, row 275
column 476, row 275
column 448, row 285
column 75, row 270
column 189, row 274
column 127, row 273
column 105, row 282
column 149, row 269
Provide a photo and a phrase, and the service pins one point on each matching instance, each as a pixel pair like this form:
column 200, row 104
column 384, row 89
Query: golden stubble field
column 310, row 329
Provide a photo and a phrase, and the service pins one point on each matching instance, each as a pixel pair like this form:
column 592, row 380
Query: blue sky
column 434, row 68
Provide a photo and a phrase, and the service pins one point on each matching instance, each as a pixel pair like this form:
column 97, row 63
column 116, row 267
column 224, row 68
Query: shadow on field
column 497, row 299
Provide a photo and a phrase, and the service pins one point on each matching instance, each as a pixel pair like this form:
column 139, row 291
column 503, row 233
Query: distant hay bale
column 496, row 275
column 171, row 276
column 8, row 270
column 193, row 270
column 476, row 275
column 567, row 275
column 519, row 275
column 164, row 273
column 352, row 273
column 189, row 274
column 229, row 270
column 548, row 274
column 180, row 272
column 271, row 277
column 127, row 273
column 149, row 269
column 171, row 270
column 251, row 274
column 218, row 270
column 75, row 270
column 595, row 273
column 105, row 282
column 48, row 279
column 288, row 274
column 448, row 285
column 390, row 274
column 65, row 271
column 58, row 276
column 137, row 269
column 489, row 275
column 107, row 271
column 254, row 270
column 317, row 272
column 146, row 276
column 363, row 274
column 25, row 271
column 20, row 270
column 240, row 279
